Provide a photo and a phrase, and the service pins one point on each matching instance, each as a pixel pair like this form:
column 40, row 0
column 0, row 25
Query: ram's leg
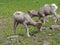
column 27, row 30
column 40, row 27
column 47, row 19
column 14, row 26
column 43, row 18
column 55, row 20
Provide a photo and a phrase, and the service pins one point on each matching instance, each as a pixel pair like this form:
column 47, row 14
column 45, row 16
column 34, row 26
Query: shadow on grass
column 21, row 34
column 34, row 33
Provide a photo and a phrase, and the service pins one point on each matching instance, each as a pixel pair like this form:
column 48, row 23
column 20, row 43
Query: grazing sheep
column 44, row 11
column 25, row 19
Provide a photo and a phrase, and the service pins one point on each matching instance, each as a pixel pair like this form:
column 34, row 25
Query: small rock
column 49, row 34
column 10, row 37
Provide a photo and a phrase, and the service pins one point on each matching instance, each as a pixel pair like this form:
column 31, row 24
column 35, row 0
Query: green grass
column 8, row 7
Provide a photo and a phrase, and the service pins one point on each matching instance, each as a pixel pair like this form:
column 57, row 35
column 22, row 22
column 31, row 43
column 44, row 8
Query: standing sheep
column 25, row 19
column 44, row 11
column 47, row 10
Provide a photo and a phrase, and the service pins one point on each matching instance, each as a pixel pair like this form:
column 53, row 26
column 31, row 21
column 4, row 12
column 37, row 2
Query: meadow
column 8, row 7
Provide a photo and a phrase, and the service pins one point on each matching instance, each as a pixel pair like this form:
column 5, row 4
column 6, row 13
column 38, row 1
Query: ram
column 44, row 11
column 25, row 19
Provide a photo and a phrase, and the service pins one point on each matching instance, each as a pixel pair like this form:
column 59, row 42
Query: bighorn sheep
column 44, row 11
column 25, row 19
